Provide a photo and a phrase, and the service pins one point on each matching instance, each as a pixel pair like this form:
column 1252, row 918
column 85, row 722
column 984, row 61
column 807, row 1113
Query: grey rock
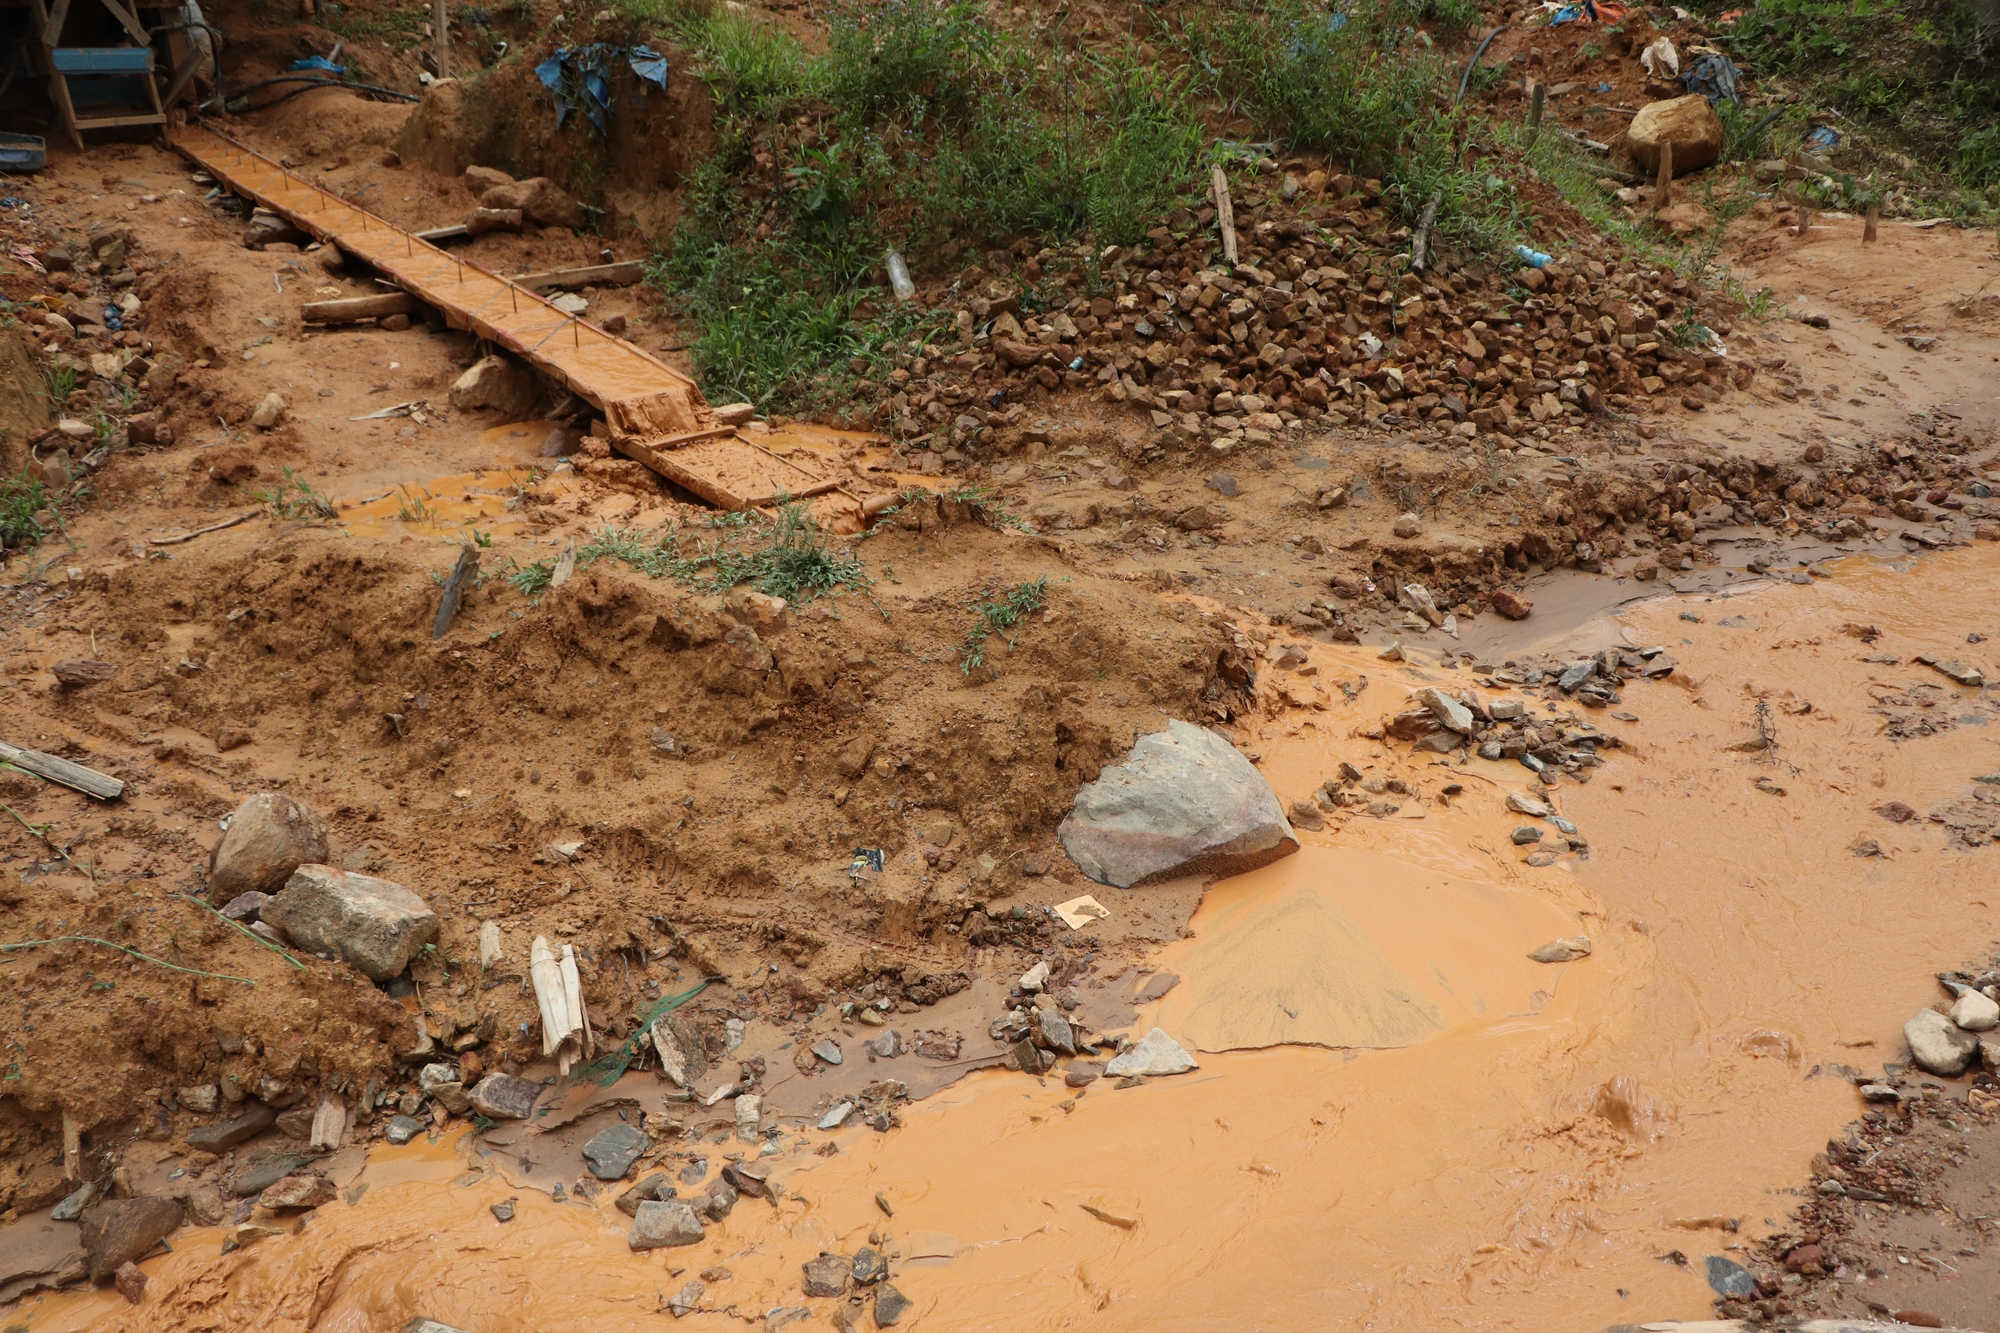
column 836, row 1115
column 1052, row 1031
column 420, row 1324
column 1939, row 1045
column 372, row 925
column 1574, row 675
column 827, row 1275
column 664, row 1224
column 1524, row 835
column 1156, row 987
column 256, row 1176
column 504, row 1097
column 256, row 1118
column 503, row 1211
column 401, row 1129
column 890, row 1305
column 1523, row 804
column 870, row 1267
column 653, row 1189
column 828, row 1050
column 1152, row 1055
column 887, row 1046
column 1728, row 1278
column 784, row 1316
column 121, row 1231
column 1450, row 713
column 751, row 1178
column 716, row 1203
column 245, row 906
column 687, row 1300
column 1878, row 1092
column 69, row 1209
column 269, row 837
column 1507, row 710
column 1185, row 801
column 453, row 1097
column 611, row 1153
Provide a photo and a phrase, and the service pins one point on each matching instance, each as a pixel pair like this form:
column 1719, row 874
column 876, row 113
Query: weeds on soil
column 789, row 556
column 21, row 497
column 998, row 615
column 294, row 497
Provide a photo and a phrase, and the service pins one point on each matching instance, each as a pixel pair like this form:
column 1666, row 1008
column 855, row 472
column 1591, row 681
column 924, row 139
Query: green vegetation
column 999, row 614
column 788, row 556
column 294, row 497
column 21, row 497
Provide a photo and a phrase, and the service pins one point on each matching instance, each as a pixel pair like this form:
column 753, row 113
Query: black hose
column 311, row 81
column 364, row 88
column 1473, row 63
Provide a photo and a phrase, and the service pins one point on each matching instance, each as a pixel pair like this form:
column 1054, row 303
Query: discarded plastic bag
column 1661, row 60
column 1714, row 77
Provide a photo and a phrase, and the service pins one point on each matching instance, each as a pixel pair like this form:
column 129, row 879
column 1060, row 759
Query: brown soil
column 696, row 753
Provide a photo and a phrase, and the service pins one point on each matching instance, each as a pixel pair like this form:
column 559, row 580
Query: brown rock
column 131, row 1282
column 1016, row 354
column 827, row 1275
column 853, row 757
column 270, row 836
column 1511, row 604
column 482, row 179
column 120, row 1231
column 1689, row 123
column 75, row 675
column 298, row 1192
column 537, row 199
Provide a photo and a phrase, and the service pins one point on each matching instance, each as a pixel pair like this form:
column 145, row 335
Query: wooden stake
column 72, row 1148
column 1868, row 227
column 1225, row 213
column 1535, row 110
column 441, row 22
column 1420, row 243
column 1663, row 190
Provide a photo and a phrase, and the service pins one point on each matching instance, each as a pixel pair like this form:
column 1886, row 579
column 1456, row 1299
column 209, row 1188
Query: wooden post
column 1868, row 227
column 1420, row 242
column 441, row 21
column 72, row 1136
column 1535, row 110
column 1225, row 214
column 1663, row 189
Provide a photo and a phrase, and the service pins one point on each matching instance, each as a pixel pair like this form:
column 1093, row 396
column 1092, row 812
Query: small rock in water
column 1523, row 804
column 505, row 1097
column 1974, row 1012
column 131, row 1282
column 827, row 1275
column 1153, row 1055
column 687, row 1300
column 503, row 1211
column 1878, row 1092
column 663, row 1225
column 401, row 1129
column 1729, row 1279
column 1939, row 1045
column 870, row 1267
column 611, row 1153
column 1566, row 950
column 298, row 1192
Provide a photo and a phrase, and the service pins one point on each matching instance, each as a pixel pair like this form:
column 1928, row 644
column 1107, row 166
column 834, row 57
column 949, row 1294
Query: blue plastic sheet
column 1714, row 77
column 579, row 78
column 1824, row 137
column 320, row 63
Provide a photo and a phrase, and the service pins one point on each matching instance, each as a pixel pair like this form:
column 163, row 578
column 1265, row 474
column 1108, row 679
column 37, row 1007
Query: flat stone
column 401, row 1129
column 1156, row 987
column 869, row 1267
column 504, row 1097
column 503, row 1211
column 836, row 1115
column 1975, row 1013
column 687, row 1300
column 258, row 1175
column 1566, row 950
column 372, row 925
column 256, row 1118
column 827, row 1275
column 245, row 906
column 1507, row 710
column 664, row 1224
column 784, row 1316
column 716, row 1203
column 1450, row 713
column 421, row 1324
column 749, row 1117
column 1523, row 804
column 890, row 1305
column 1153, row 1055
column 1574, row 675
column 1052, row 1031
column 1939, row 1045
column 1524, row 835
column 828, row 1050
column 269, row 837
column 653, row 1189
column 1728, row 1278
column 121, row 1231
column 611, row 1153
column 298, row 1192
column 751, row 1178
column 1185, row 801
column 1034, row 978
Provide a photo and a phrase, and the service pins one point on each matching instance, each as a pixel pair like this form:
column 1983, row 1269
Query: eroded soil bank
column 1542, row 1146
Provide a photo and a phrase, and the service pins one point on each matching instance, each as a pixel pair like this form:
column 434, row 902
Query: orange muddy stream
column 1537, row 1139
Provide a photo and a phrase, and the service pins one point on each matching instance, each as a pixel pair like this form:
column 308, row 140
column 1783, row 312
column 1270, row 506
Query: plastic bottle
column 899, row 278
column 1533, row 257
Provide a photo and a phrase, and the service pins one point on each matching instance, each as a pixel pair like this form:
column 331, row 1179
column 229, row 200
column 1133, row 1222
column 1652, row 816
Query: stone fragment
column 890, row 1305
column 497, row 383
column 130, row 1282
column 1974, row 1012
column 749, row 1118
column 1689, row 123
column 505, row 1097
column 298, row 1191
column 687, row 1300
column 610, row 1154
column 401, row 1129
column 1306, row 815
column 827, row 1275
column 751, row 1178
column 482, row 220
column 269, row 837
column 1940, row 1046
column 1524, row 835
column 72, row 1207
column 1153, row 1055
column 1185, row 801
column 828, row 1050
column 121, row 1231
column 373, row 925
column 1450, row 713
column 836, row 1115
column 1034, row 978
column 1407, row 526
column 853, row 757
column 538, row 199
column 1511, row 604
column 256, row 1118
column 716, row 1203
column 664, row 1224
column 652, row 1189
column 869, row 1267
column 202, row 1099
column 1565, row 950
column 268, row 413
column 79, row 673
column 503, row 1211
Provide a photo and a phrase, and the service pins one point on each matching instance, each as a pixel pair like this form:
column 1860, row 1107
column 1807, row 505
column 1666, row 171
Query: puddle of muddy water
column 1529, row 1145
column 449, row 508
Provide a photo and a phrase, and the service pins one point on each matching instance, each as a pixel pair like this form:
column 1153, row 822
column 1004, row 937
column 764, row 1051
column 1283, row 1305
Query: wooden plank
column 455, row 232
column 349, row 309
column 1225, row 213
column 62, row 771
column 52, row 24
column 110, row 122
column 183, row 78
column 441, row 43
column 597, row 275
column 130, row 21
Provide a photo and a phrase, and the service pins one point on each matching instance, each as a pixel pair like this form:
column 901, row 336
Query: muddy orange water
column 1536, row 1140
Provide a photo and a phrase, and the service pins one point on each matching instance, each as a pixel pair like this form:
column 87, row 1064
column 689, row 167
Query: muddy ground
column 677, row 784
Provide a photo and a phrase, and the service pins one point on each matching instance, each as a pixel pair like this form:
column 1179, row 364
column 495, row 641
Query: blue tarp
column 580, row 77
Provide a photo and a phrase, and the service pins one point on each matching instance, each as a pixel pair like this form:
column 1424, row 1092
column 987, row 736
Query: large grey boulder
column 1939, row 1045
column 663, row 1224
column 372, row 925
column 1184, row 802
column 269, row 837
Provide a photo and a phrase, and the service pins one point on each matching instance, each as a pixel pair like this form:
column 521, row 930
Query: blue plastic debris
column 1714, row 77
column 1533, row 258
column 1824, row 137
column 580, row 77
column 320, row 63
column 111, row 319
